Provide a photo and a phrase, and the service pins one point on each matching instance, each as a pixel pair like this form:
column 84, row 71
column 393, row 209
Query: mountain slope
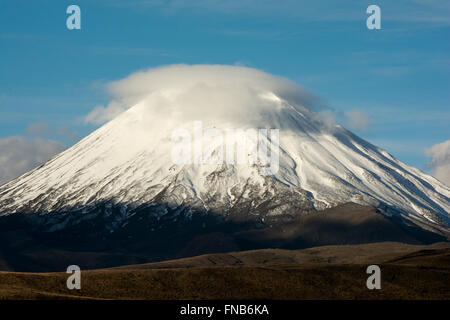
column 127, row 165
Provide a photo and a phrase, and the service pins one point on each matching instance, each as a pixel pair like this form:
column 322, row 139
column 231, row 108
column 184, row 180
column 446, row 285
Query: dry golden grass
column 408, row 272
column 241, row 282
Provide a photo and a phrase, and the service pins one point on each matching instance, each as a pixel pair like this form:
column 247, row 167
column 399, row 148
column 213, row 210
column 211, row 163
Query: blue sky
column 398, row 77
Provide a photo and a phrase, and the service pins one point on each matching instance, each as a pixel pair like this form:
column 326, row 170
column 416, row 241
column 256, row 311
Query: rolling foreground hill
column 330, row 272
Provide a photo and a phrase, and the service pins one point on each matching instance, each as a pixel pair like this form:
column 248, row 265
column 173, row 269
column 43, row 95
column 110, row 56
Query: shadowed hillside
column 25, row 248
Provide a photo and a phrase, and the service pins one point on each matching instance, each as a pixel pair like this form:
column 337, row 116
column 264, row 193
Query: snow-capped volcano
column 128, row 163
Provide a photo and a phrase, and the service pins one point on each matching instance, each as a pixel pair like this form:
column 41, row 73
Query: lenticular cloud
column 234, row 94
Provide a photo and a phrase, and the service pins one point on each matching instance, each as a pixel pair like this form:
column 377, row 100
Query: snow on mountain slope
column 127, row 162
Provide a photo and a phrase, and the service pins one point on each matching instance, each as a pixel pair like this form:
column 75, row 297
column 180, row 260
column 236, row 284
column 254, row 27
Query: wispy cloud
column 101, row 114
column 131, row 51
column 357, row 119
column 391, row 71
column 398, row 62
column 18, row 36
column 440, row 161
column 43, row 129
column 256, row 32
column 20, row 154
column 419, row 11
column 407, row 115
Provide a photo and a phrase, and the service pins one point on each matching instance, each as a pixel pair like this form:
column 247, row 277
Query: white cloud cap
column 235, row 94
